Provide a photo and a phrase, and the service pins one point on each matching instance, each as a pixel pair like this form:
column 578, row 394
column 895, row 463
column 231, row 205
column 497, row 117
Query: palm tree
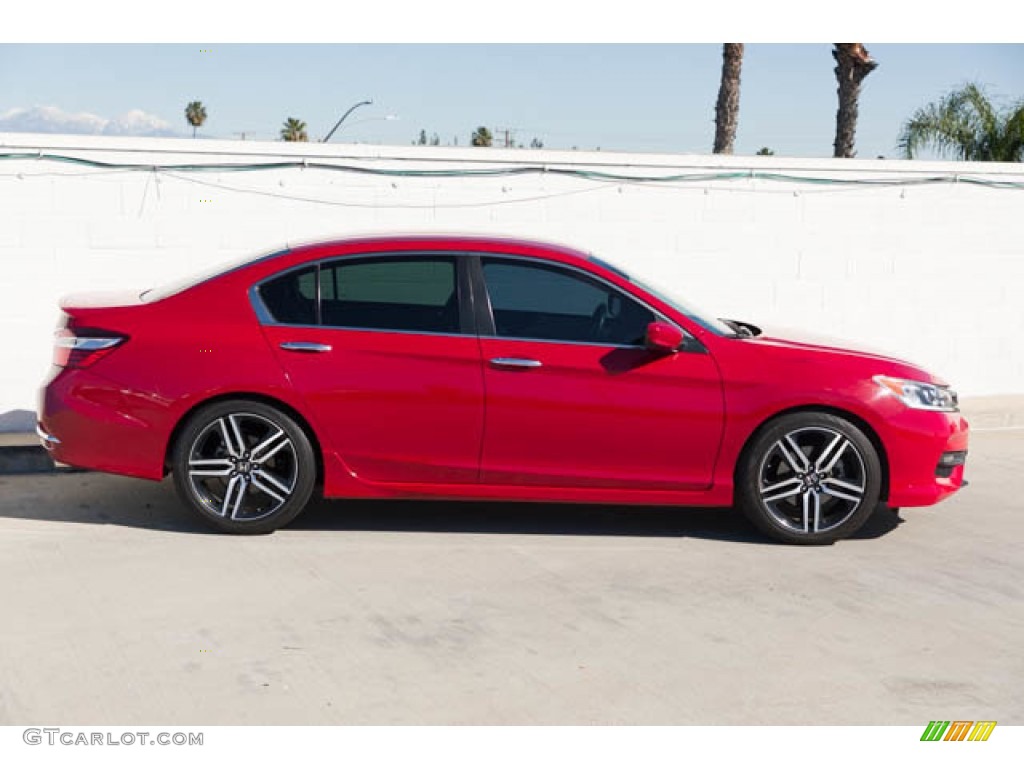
column 481, row 137
column 195, row 113
column 294, row 130
column 727, row 111
column 853, row 64
column 966, row 125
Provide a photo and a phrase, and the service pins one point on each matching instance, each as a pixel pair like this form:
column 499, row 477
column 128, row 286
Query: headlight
column 919, row 394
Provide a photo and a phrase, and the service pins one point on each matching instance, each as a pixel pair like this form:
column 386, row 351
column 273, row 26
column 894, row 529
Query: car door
column 573, row 396
column 384, row 352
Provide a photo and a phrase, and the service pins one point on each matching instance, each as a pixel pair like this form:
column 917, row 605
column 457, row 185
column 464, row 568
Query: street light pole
column 351, row 109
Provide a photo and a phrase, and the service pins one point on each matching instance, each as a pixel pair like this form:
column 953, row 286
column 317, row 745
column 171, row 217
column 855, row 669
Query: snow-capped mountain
column 55, row 120
column 138, row 123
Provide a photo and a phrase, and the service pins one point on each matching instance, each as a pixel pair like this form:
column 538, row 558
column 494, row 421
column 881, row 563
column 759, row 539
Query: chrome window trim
column 275, row 324
column 262, row 313
column 566, row 343
column 266, row 319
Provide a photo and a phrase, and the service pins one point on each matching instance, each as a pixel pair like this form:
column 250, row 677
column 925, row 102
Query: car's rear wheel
column 810, row 478
column 244, row 466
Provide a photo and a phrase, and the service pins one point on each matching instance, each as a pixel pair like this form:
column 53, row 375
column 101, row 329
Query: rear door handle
column 305, row 346
column 514, row 362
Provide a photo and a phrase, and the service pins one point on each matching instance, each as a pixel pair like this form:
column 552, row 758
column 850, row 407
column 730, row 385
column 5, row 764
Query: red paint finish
column 406, row 414
column 397, row 407
column 592, row 416
column 664, row 337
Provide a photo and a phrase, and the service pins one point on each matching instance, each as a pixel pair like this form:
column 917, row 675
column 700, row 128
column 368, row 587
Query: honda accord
column 484, row 368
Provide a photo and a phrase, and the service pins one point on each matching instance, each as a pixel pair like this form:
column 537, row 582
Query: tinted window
column 533, row 301
column 291, row 298
column 416, row 294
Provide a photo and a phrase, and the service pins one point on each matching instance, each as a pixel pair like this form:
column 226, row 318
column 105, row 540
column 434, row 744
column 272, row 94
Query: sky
column 633, row 97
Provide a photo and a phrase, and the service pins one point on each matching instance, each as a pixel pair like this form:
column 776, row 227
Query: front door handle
column 305, row 346
column 514, row 362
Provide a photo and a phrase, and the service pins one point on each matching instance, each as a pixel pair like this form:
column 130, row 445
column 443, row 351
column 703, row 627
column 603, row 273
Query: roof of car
column 444, row 239
column 296, row 252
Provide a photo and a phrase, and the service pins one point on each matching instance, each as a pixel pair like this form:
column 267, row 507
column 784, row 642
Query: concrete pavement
column 120, row 608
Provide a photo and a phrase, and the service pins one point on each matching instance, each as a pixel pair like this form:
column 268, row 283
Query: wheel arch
column 853, row 418
column 256, row 397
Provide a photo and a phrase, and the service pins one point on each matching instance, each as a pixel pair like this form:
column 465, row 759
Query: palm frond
column 964, row 124
column 1011, row 148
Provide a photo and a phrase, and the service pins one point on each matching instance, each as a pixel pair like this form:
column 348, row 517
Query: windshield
column 183, row 284
column 703, row 319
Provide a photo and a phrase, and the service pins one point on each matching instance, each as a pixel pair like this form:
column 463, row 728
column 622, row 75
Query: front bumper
column 916, row 443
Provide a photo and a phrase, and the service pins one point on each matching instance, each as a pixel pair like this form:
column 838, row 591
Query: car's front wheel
column 809, row 478
column 244, row 466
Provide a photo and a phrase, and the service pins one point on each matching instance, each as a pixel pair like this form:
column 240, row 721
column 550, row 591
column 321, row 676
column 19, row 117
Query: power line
column 522, row 170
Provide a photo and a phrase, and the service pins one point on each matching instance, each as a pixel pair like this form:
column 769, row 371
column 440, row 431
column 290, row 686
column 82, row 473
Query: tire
column 244, row 467
column 817, row 496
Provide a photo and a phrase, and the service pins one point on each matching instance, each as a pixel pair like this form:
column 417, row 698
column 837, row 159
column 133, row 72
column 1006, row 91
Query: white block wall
column 933, row 273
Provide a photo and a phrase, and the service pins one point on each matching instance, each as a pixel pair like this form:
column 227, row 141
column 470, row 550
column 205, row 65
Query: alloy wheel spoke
column 267, row 490
column 834, row 487
column 276, row 482
column 276, row 442
column 231, row 489
column 209, row 467
column 787, row 447
column 834, row 451
column 811, row 509
column 243, row 487
column 782, row 490
column 798, row 452
column 843, row 484
column 233, row 421
column 229, row 443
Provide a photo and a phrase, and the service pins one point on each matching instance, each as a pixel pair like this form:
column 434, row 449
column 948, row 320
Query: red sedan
column 483, row 368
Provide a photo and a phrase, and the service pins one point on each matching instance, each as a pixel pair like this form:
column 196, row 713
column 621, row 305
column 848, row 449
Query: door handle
column 514, row 362
column 305, row 346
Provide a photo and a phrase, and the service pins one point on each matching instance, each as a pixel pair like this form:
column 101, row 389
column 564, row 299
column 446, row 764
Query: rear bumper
column 89, row 422
column 916, row 443
column 48, row 441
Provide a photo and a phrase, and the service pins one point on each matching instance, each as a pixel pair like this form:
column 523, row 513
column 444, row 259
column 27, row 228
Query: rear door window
column 291, row 298
column 416, row 294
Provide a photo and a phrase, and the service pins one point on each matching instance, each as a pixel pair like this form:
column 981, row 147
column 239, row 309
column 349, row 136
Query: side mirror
column 663, row 337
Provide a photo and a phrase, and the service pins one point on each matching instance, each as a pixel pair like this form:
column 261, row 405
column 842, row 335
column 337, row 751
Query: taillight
column 81, row 347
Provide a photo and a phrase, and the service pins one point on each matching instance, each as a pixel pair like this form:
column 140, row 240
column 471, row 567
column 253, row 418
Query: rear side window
column 417, row 294
column 291, row 298
column 397, row 294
